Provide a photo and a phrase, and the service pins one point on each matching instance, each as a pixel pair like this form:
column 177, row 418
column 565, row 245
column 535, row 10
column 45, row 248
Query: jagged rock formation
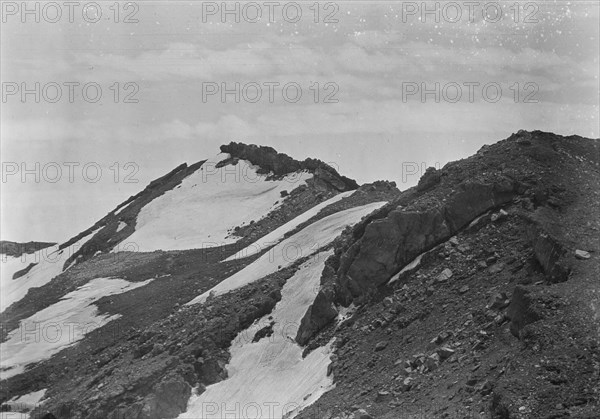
column 270, row 161
column 421, row 218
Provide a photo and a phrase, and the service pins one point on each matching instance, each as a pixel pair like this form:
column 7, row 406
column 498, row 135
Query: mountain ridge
column 477, row 265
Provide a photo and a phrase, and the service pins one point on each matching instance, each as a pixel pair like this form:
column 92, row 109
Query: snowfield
column 269, row 378
column 277, row 235
column 49, row 263
column 22, row 404
column 60, row 325
column 304, row 243
column 207, row 205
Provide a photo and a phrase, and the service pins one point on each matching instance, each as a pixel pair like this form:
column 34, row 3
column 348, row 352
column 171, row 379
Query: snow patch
column 49, row 263
column 208, row 204
column 269, row 378
column 304, row 243
column 276, row 235
column 344, row 313
column 121, row 226
column 411, row 266
column 20, row 405
column 60, row 325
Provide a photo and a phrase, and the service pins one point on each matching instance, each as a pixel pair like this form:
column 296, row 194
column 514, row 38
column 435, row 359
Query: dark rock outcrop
column 388, row 244
column 430, row 178
column 15, row 249
column 446, row 202
column 320, row 313
column 280, row 164
column 522, row 310
column 24, row 271
column 551, row 255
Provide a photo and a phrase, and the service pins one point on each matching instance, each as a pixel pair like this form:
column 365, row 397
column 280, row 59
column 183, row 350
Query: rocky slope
column 473, row 294
column 153, row 351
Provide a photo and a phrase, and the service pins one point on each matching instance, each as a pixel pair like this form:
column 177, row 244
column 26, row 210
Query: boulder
column 320, row 313
column 393, row 239
column 381, row 345
column 551, row 255
column 445, row 275
column 582, row 254
column 522, row 310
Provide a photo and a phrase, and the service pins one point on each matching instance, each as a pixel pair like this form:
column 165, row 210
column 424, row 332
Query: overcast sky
column 369, row 121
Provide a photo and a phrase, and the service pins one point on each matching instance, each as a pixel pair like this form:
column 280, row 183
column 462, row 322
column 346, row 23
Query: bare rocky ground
column 500, row 319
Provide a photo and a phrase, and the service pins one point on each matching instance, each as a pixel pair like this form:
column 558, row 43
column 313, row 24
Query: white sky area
column 370, row 133
column 207, row 205
column 269, row 378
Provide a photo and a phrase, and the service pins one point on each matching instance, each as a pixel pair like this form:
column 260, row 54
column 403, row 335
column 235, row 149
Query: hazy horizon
column 358, row 110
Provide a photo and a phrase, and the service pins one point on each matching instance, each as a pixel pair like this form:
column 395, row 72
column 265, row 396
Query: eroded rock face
column 320, row 313
column 390, row 243
column 522, row 310
column 551, row 255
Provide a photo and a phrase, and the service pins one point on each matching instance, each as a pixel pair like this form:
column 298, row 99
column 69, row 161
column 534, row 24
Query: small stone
column 454, row 241
column 582, row 254
column 361, row 414
column 445, row 275
column 430, row 363
column 463, row 248
column 522, row 409
column 491, row 259
column 444, row 352
column 388, row 301
column 486, row 388
column 499, row 301
column 381, row 345
column 497, row 268
column 383, row 396
column 464, row 289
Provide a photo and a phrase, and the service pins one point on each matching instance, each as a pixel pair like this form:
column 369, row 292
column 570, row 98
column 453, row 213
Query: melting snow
column 50, row 263
column 277, row 235
column 269, row 378
column 411, row 266
column 21, row 404
column 60, row 325
column 121, row 226
column 210, row 202
column 303, row 243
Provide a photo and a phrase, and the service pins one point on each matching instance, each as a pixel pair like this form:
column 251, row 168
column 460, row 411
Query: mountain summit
column 251, row 284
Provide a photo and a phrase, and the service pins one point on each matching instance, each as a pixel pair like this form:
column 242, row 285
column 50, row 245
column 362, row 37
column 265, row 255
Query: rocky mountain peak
column 280, row 164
